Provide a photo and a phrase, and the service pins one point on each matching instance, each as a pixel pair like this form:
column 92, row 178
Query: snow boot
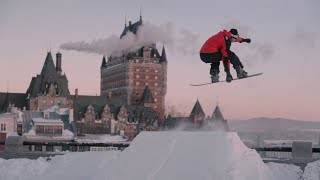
column 229, row 77
column 240, row 72
column 214, row 75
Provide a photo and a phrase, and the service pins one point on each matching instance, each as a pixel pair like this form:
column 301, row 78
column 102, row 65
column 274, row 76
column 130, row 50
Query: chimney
column 58, row 63
column 76, row 93
column 129, row 23
column 109, row 95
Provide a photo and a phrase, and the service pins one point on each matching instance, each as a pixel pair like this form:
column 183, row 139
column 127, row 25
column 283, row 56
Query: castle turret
column 163, row 55
column 104, row 62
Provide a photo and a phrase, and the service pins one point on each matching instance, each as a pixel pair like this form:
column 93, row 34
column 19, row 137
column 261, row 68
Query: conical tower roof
column 48, row 68
column 197, row 109
column 104, row 62
column 147, row 96
column 163, row 55
column 217, row 113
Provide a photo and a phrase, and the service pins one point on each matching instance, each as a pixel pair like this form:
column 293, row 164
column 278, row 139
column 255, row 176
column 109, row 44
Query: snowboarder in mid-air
column 217, row 48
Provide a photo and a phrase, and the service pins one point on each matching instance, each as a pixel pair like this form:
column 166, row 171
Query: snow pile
column 189, row 155
column 80, row 166
column 285, row 171
column 67, row 133
column 159, row 155
column 312, row 171
column 31, row 132
column 14, row 169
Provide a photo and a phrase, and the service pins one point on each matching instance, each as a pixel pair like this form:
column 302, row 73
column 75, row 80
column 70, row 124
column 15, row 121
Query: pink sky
column 285, row 52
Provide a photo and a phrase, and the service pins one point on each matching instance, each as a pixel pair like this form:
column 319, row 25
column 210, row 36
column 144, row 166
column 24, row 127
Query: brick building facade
column 128, row 75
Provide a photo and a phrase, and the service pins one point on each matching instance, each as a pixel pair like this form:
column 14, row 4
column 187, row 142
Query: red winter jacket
column 217, row 42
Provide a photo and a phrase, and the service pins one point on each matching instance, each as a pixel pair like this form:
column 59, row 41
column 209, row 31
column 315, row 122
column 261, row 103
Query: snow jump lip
column 251, row 75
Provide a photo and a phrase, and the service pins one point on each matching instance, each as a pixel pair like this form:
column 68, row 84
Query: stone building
column 47, row 89
column 127, row 75
column 111, row 115
column 50, row 87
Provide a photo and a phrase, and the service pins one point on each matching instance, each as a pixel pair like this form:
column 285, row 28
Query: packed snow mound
column 188, row 155
column 312, row 171
column 79, row 165
column 159, row 155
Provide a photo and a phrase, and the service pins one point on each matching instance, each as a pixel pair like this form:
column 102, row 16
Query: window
column 156, row 71
column 156, row 84
column 48, row 129
column 155, row 93
column 3, row 127
column 137, row 83
column 156, row 77
column 155, row 100
column 57, row 129
column 65, row 148
column 147, row 77
column 46, row 115
column 38, row 148
column 39, row 129
column 49, row 148
column 137, row 69
column 19, row 129
column 137, row 76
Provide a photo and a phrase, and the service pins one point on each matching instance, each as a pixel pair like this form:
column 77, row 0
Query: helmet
column 234, row 33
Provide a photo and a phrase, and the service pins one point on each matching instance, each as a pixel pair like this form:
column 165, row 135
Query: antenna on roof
column 50, row 45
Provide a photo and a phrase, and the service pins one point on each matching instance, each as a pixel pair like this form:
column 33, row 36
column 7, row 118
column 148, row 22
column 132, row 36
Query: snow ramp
column 176, row 155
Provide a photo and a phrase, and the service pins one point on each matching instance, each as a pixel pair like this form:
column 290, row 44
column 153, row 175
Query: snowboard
column 251, row 75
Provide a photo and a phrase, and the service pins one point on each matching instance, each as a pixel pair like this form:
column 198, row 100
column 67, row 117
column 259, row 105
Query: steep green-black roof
column 197, row 109
column 146, row 96
column 217, row 113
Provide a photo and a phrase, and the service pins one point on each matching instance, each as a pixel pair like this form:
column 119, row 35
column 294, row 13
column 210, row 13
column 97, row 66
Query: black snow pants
column 215, row 58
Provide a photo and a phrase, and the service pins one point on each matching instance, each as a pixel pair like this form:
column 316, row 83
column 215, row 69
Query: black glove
column 246, row 40
column 229, row 77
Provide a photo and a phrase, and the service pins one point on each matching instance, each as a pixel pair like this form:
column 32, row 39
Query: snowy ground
column 161, row 155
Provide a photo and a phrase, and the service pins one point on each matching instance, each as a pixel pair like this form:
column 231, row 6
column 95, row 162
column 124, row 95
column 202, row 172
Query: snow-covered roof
column 7, row 115
column 95, row 138
column 49, row 121
column 65, row 136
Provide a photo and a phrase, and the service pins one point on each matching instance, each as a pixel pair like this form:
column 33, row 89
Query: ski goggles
column 235, row 36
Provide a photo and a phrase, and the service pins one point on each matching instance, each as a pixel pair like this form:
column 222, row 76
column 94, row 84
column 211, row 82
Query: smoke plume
column 303, row 38
column 258, row 51
column 178, row 40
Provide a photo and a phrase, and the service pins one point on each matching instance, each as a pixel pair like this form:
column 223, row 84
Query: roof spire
column 140, row 13
column 125, row 20
column 163, row 57
column 197, row 109
column 8, row 86
column 217, row 100
column 104, row 62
